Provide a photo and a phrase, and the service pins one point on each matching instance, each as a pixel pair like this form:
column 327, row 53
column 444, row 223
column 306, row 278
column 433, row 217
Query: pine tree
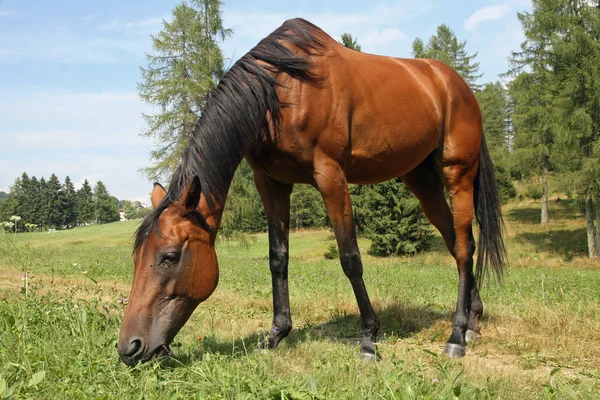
column 185, row 66
column 55, row 202
column 494, row 103
column 33, row 194
column 306, row 208
column 445, row 47
column 350, row 42
column 105, row 208
column 85, row 204
column 561, row 57
column 69, row 203
column 244, row 211
column 392, row 219
column 44, row 203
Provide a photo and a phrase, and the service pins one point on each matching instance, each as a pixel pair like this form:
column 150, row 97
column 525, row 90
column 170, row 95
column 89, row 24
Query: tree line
column 45, row 204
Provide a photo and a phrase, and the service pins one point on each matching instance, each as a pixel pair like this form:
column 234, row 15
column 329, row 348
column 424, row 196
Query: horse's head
column 175, row 269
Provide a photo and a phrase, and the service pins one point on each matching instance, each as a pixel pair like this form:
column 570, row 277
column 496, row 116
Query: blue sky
column 68, row 69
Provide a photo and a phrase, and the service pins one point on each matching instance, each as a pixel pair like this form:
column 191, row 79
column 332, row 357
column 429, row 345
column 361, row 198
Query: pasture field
column 541, row 329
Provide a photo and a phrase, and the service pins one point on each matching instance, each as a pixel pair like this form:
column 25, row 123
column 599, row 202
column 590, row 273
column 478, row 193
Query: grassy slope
column 541, row 330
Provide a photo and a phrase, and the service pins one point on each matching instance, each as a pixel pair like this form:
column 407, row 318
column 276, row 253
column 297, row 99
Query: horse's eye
column 171, row 258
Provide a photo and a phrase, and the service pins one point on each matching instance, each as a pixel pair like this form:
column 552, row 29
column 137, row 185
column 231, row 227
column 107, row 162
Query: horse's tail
column 491, row 250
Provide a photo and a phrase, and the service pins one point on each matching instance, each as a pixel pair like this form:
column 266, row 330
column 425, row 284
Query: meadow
column 541, row 328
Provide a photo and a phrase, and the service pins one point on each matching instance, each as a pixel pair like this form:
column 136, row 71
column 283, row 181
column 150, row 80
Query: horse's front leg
column 331, row 182
column 276, row 199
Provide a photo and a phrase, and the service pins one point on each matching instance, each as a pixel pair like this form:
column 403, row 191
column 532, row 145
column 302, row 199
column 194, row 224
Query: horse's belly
column 388, row 155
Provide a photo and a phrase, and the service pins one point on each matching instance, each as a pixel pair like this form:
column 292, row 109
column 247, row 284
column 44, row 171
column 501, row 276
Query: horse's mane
column 244, row 104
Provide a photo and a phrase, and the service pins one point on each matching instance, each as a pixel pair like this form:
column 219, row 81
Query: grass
column 541, row 329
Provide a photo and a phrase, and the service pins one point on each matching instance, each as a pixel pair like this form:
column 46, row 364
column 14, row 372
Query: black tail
column 491, row 250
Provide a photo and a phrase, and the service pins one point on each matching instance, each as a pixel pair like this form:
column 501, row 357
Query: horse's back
column 378, row 116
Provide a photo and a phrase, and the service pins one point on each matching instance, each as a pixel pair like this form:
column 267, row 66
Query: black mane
column 236, row 113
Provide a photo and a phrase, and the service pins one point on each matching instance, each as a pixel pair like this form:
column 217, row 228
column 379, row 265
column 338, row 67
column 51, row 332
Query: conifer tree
column 55, row 202
column 44, row 204
column 85, row 203
column 105, row 209
column 184, row 67
column 445, row 47
column 350, row 42
column 69, row 203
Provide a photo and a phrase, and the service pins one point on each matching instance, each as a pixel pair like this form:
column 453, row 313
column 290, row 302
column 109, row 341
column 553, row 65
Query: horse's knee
column 278, row 261
column 352, row 265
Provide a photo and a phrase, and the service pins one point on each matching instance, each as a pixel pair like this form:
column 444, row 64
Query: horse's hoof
column 472, row 336
column 369, row 356
column 260, row 350
column 454, row 350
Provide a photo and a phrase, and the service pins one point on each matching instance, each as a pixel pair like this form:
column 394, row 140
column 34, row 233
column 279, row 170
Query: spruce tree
column 350, row 42
column 36, row 202
column 184, row 67
column 560, row 60
column 55, row 202
column 306, row 208
column 44, row 203
column 445, row 47
column 69, row 203
column 494, row 103
column 85, row 204
column 105, row 209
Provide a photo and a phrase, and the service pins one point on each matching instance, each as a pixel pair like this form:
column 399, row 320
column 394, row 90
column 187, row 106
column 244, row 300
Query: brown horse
column 302, row 108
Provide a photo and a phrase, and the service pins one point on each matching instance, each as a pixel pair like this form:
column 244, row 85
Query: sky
column 69, row 68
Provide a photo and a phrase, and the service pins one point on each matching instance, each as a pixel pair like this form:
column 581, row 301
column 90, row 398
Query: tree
column 69, row 203
column 494, row 103
column 85, row 203
column 184, row 68
column 306, row 208
column 44, row 204
column 391, row 218
column 445, row 47
column 244, row 211
column 105, row 209
column 350, row 42
column 55, row 202
column 558, row 68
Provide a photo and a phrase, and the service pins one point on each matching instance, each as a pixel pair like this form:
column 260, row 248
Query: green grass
column 541, row 330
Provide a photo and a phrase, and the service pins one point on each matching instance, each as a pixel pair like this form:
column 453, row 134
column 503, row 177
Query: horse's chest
column 289, row 166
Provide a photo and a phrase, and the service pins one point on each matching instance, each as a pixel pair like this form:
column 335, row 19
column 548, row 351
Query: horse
column 303, row 109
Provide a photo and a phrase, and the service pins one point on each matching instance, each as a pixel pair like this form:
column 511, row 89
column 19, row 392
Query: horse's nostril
column 132, row 349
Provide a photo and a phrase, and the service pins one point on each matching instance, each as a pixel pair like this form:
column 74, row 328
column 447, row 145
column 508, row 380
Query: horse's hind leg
column 331, row 183
column 426, row 183
column 459, row 181
column 276, row 199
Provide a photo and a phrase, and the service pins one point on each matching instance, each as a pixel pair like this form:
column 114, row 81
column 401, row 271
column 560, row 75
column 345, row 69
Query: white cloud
column 489, row 13
column 80, row 134
column 378, row 38
column 368, row 26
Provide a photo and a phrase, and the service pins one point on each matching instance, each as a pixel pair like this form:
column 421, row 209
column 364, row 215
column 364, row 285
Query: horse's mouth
column 162, row 351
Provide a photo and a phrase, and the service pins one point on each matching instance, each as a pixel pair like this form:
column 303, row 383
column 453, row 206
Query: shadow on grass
column 567, row 243
column 399, row 320
column 563, row 209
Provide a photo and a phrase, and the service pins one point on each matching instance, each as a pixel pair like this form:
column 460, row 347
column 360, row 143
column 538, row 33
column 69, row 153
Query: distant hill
column 3, row 195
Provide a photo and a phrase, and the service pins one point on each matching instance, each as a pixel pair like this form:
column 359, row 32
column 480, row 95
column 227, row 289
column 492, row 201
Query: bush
column 332, row 252
column 505, row 185
column 391, row 218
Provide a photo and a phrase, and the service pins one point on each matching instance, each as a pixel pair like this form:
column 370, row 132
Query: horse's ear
column 191, row 197
column 158, row 194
